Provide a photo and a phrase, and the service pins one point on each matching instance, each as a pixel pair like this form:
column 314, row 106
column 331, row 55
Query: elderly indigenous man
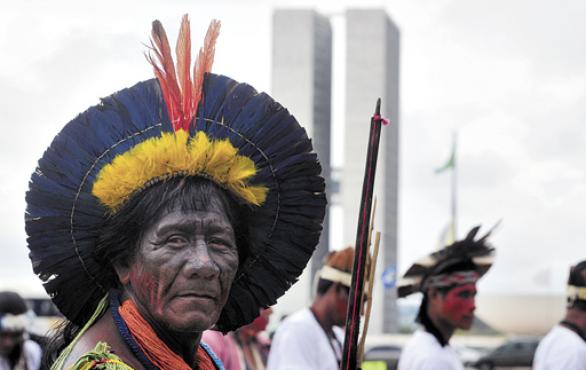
column 447, row 279
column 176, row 205
column 312, row 338
column 564, row 347
column 17, row 352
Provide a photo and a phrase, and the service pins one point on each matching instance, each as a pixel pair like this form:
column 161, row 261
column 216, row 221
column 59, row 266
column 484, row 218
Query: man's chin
column 191, row 323
column 466, row 324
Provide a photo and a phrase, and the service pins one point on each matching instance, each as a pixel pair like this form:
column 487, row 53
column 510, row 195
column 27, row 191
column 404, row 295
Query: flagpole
column 454, row 187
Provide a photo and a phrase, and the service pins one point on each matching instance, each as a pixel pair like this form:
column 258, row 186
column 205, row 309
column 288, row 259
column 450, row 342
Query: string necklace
column 149, row 349
column 573, row 327
column 331, row 339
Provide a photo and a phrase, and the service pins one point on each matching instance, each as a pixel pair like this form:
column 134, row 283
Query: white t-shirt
column 424, row 352
column 560, row 349
column 301, row 344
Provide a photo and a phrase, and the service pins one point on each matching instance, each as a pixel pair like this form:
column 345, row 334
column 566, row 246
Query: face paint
column 458, row 306
column 183, row 270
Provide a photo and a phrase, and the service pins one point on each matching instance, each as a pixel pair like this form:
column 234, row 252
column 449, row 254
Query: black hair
column 577, row 278
column 122, row 231
column 323, row 285
column 12, row 303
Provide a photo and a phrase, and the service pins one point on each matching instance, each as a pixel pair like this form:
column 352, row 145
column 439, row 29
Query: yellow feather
column 172, row 153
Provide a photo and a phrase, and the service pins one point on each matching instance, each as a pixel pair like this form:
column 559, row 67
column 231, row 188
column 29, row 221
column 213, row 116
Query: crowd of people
column 166, row 221
column 312, row 338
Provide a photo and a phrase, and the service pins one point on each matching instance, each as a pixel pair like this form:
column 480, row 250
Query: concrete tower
column 301, row 81
column 372, row 71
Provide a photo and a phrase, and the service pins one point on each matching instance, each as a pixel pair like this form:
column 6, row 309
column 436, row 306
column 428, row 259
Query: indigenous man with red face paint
column 447, row 279
column 564, row 347
column 312, row 338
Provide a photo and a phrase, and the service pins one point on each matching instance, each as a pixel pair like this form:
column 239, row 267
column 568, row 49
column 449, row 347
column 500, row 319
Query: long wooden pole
column 349, row 356
column 371, row 276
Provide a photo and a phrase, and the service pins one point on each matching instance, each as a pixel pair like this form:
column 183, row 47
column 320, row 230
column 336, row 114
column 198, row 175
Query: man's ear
column 122, row 269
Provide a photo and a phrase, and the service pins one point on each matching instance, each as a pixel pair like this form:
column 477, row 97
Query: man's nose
column 199, row 262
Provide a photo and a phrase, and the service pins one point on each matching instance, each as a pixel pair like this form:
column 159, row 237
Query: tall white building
column 301, row 81
column 372, row 71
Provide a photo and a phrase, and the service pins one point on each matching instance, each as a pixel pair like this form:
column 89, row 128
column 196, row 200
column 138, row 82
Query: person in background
column 245, row 349
column 253, row 343
column 225, row 347
column 564, row 347
column 17, row 352
column 312, row 338
column 447, row 278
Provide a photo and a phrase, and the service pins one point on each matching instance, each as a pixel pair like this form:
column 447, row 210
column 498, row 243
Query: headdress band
column 576, row 293
column 451, row 279
column 336, row 276
column 14, row 323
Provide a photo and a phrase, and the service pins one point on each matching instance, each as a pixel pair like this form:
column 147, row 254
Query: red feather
column 181, row 94
column 205, row 59
column 183, row 51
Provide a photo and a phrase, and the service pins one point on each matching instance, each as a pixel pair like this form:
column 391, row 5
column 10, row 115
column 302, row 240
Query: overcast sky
column 509, row 76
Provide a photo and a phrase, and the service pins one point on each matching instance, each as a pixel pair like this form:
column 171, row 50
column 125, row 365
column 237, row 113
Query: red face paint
column 459, row 304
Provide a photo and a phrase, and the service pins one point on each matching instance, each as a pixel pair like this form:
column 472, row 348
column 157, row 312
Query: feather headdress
column 180, row 124
column 474, row 255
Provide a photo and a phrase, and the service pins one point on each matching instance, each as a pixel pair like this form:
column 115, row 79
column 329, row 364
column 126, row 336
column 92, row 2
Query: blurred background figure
column 253, row 343
column 17, row 352
column 312, row 338
column 224, row 346
column 447, row 278
column 245, row 349
column 564, row 347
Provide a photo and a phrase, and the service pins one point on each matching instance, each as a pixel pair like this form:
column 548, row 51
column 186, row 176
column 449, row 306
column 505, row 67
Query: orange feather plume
column 182, row 94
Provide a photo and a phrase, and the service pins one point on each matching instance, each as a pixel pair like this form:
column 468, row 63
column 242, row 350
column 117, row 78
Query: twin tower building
column 302, row 66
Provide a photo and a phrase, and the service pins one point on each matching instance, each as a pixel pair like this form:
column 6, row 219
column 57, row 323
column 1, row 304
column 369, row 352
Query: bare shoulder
column 102, row 343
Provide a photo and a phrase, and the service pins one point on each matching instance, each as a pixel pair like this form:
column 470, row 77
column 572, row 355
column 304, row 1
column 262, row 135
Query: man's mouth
column 197, row 294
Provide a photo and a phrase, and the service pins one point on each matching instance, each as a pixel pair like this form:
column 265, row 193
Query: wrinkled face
column 458, row 305
column 183, row 270
column 9, row 340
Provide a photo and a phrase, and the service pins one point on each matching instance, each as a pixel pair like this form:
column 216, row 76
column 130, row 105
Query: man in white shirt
column 312, row 338
column 564, row 347
column 447, row 278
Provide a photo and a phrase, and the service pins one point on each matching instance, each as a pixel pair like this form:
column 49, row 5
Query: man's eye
column 465, row 295
column 176, row 240
column 220, row 243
